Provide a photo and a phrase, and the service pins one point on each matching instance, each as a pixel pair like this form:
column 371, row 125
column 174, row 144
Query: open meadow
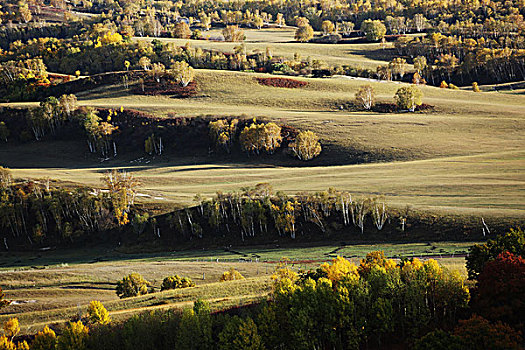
column 53, row 287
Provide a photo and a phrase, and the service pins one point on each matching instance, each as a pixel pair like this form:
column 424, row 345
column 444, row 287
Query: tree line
column 41, row 213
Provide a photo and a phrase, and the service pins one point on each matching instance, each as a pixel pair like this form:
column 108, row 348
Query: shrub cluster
column 132, row 285
column 282, row 82
column 171, row 89
column 231, row 275
column 175, row 282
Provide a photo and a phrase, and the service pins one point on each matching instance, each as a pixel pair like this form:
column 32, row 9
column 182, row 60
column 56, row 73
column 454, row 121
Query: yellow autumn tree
column 182, row 72
column 306, row 145
column 74, row 337
column 44, row 340
column 122, row 188
column 98, row 314
column 11, row 328
column 109, row 38
column 375, row 258
column 233, row 33
column 6, row 344
column 231, row 275
column 222, row 133
column 260, row 137
column 340, row 268
column 304, row 33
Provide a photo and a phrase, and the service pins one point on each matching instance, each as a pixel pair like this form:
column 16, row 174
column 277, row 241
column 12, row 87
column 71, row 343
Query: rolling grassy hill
column 464, row 156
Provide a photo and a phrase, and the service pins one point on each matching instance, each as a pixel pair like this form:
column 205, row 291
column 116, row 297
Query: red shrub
column 281, row 82
column 500, row 292
column 478, row 333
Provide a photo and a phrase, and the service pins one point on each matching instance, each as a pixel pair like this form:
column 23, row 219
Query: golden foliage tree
column 68, row 104
column 122, row 188
column 339, row 268
column 182, row 30
column 306, row 145
column 259, row 137
column 182, row 72
column 231, row 275
column 11, row 328
column 328, row 27
column 222, row 133
column 233, row 33
column 145, row 62
column 45, row 340
column 304, row 33
column 6, row 344
column 98, row 314
column 5, row 181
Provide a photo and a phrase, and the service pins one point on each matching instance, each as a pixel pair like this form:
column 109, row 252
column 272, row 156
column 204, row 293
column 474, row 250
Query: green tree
column 409, row 97
column 374, row 30
column 132, row 285
column 45, row 340
column 479, row 254
column 240, row 334
column 195, row 329
column 74, row 337
column 439, row 340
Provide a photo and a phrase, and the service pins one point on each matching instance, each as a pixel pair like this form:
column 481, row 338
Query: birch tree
column 365, row 97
